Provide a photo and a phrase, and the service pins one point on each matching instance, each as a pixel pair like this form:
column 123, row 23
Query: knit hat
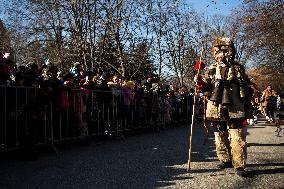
column 129, row 84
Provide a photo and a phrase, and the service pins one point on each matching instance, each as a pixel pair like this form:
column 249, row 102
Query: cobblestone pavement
column 149, row 160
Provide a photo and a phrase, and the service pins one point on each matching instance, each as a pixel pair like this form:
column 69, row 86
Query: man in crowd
column 268, row 100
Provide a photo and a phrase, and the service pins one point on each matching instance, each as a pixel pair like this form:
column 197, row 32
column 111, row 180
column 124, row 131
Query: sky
column 211, row 7
column 2, row 3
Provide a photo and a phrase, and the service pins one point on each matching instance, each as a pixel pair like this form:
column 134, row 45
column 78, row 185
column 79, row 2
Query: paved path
column 149, row 160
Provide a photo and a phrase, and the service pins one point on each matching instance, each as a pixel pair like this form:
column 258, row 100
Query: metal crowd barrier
column 23, row 120
column 33, row 116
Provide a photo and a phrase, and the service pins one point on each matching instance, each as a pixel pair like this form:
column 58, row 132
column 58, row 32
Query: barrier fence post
column 16, row 101
column 52, row 129
column 5, row 121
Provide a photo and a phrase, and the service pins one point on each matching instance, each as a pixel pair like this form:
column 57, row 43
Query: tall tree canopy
column 133, row 38
column 262, row 30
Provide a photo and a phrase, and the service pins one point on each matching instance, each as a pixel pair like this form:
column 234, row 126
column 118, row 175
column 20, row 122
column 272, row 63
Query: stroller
column 253, row 120
column 279, row 120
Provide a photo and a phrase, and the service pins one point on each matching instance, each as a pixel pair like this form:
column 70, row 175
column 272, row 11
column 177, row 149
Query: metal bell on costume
column 216, row 95
column 227, row 94
column 242, row 90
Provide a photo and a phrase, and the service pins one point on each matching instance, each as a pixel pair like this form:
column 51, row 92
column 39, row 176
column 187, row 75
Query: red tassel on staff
column 199, row 65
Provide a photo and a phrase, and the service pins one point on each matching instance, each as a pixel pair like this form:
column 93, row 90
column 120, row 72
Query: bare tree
column 262, row 23
column 5, row 39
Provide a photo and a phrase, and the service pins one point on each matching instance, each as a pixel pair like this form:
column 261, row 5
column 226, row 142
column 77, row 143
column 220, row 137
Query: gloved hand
column 198, row 82
column 197, row 78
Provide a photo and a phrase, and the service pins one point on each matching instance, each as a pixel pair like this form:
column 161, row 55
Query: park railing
column 34, row 116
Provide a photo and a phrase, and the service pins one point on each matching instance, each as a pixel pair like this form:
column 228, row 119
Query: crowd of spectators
column 83, row 102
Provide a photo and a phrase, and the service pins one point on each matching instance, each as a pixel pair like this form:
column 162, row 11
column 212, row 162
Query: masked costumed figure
column 228, row 98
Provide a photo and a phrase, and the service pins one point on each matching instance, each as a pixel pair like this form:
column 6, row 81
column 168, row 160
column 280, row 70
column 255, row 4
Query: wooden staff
column 204, row 120
column 193, row 113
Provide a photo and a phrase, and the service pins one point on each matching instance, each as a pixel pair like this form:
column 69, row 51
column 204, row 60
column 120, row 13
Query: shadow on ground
column 147, row 160
column 261, row 144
